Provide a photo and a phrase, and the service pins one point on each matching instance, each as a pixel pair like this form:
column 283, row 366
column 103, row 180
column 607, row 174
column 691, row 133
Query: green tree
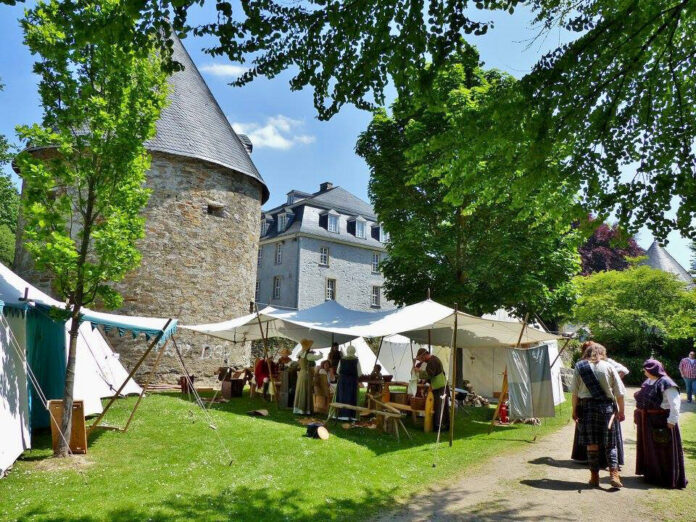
column 440, row 166
column 9, row 206
column 82, row 201
column 637, row 312
column 692, row 247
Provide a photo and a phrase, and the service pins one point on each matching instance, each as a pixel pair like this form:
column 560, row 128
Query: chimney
column 327, row 185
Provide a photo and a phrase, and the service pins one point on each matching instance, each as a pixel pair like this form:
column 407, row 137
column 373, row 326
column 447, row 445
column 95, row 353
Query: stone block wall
column 199, row 260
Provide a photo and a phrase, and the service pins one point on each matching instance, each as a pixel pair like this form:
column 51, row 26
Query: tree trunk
column 63, row 449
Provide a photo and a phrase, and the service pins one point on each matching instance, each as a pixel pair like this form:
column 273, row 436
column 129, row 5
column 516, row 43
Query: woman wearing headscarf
column 347, row 390
column 659, row 453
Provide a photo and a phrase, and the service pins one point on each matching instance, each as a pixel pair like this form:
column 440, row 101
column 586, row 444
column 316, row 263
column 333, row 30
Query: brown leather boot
column 615, row 480
column 594, row 479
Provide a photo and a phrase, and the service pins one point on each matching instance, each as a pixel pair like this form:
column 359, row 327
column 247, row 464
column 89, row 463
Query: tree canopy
column 440, row 164
column 9, row 206
column 608, row 248
column 84, row 168
column 619, row 100
column 638, row 312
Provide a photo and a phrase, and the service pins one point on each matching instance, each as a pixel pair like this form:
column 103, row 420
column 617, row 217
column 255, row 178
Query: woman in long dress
column 659, row 452
column 303, row 404
column 347, row 390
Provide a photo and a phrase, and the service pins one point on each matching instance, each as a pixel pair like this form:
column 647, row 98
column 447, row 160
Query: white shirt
column 670, row 401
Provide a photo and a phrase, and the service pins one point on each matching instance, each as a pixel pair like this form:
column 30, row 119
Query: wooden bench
column 389, row 417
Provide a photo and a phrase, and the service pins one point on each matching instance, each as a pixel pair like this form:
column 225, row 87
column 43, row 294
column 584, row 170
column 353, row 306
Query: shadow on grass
column 241, row 503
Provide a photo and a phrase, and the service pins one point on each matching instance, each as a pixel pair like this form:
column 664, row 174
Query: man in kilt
column 598, row 400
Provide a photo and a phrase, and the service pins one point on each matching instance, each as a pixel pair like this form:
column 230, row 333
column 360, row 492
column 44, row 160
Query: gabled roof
column 193, row 124
column 660, row 259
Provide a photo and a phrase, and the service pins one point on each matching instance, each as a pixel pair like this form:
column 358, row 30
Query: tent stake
column 130, row 376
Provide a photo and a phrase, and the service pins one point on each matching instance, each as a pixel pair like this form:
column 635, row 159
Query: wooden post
column 268, row 363
column 453, row 372
column 130, row 376
column 146, row 384
column 504, row 390
column 565, row 345
column 429, row 407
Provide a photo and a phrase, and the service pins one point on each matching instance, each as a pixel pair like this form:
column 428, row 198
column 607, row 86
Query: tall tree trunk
column 63, row 448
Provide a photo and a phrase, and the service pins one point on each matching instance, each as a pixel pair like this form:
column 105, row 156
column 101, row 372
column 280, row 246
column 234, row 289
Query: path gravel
column 538, row 483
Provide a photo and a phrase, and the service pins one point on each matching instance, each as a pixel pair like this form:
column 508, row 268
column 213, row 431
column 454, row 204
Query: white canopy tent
column 330, row 322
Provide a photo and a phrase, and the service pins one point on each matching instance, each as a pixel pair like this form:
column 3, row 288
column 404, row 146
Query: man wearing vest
column 435, row 374
column 598, row 402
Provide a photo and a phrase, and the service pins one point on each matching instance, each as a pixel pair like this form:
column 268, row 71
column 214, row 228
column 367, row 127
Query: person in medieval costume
column 598, row 399
column 434, row 373
column 262, row 374
column 579, row 452
column 659, row 452
column 303, row 404
column 334, row 356
column 347, row 390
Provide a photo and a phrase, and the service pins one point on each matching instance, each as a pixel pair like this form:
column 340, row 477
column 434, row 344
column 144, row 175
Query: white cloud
column 277, row 132
column 224, row 70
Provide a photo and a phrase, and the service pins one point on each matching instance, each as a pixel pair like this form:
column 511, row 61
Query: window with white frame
column 332, row 225
column 258, row 291
column 264, row 227
column 330, row 289
column 375, row 262
column 360, row 229
column 324, row 256
column 276, row 287
column 279, row 253
column 376, row 300
column 282, row 222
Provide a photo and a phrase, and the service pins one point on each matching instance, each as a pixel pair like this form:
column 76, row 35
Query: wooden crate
column 78, row 433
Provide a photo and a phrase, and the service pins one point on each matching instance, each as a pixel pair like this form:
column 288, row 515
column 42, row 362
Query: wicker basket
column 417, row 403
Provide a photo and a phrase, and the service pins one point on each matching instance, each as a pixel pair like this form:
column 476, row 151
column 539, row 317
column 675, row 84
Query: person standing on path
column 687, row 368
column 598, row 399
column 435, row 374
column 659, row 452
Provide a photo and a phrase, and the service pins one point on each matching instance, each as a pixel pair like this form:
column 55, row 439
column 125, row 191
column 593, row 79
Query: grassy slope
column 676, row 504
column 170, row 465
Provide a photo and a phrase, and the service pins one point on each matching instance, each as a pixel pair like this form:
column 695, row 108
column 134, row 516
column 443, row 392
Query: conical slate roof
column 194, row 126
column 659, row 258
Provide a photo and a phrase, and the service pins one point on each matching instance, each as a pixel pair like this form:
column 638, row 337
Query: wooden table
column 389, row 417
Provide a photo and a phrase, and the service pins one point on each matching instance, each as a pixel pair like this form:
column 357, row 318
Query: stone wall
column 268, row 269
column 199, row 259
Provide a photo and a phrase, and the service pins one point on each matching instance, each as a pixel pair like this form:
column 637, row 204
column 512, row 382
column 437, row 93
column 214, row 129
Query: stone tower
column 199, row 253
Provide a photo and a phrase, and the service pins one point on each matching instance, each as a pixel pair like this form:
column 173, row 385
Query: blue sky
column 292, row 149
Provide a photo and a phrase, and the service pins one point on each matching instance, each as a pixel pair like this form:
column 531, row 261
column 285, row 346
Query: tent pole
column 430, row 349
column 130, row 376
column 146, row 385
column 565, row 345
column 265, row 356
column 504, row 389
column 453, row 372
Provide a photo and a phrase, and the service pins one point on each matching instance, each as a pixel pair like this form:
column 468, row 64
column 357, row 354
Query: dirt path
column 538, row 483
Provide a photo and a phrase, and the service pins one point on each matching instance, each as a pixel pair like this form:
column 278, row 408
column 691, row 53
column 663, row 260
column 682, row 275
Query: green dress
column 304, row 403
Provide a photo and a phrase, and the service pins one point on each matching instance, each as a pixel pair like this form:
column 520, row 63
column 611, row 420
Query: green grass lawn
column 170, row 465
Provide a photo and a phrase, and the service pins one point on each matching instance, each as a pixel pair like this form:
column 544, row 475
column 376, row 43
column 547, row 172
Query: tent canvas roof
column 330, row 321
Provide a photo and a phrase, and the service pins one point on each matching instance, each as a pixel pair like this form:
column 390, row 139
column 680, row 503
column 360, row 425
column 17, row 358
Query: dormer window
column 264, row 227
column 332, row 225
column 358, row 227
column 328, row 220
column 282, row 222
column 379, row 234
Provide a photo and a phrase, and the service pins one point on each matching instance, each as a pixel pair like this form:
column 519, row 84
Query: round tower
column 199, row 253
